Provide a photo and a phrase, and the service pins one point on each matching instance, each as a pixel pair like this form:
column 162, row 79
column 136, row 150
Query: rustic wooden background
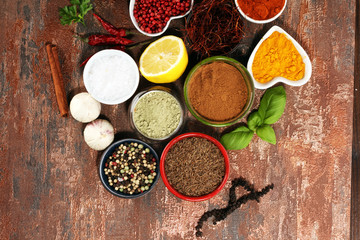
column 49, row 183
column 355, row 176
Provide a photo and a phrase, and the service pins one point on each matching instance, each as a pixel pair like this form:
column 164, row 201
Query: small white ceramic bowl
column 111, row 76
column 259, row 21
column 305, row 57
column 131, row 12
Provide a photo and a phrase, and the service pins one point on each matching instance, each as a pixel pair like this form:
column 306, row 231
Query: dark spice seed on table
column 131, row 169
column 233, row 203
column 194, row 166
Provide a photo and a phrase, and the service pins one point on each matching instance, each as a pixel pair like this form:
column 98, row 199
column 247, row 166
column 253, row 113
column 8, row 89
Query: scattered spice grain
column 233, row 203
column 194, row 166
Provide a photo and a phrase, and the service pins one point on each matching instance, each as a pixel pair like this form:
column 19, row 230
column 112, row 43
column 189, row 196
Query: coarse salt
column 111, row 77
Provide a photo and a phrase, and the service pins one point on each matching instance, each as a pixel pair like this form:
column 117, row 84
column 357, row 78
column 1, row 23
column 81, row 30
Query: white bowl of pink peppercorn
column 153, row 17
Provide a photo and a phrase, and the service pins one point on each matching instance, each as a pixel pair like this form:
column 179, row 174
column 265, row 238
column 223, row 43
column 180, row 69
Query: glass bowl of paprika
column 219, row 91
column 262, row 11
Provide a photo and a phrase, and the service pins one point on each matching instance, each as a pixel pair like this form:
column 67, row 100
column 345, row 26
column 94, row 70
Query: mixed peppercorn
column 131, row 169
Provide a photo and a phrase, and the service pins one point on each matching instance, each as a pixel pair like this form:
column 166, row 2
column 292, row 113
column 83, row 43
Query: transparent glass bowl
column 249, row 84
column 143, row 93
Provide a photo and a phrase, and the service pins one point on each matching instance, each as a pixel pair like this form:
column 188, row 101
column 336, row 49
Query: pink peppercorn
column 146, row 11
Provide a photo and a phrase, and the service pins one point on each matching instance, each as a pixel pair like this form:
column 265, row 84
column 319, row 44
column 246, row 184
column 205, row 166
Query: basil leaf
column 237, row 139
column 272, row 104
column 266, row 133
column 254, row 121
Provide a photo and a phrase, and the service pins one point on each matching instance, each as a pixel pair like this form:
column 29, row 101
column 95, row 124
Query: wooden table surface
column 49, row 183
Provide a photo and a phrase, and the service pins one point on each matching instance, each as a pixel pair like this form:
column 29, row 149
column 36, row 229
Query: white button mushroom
column 99, row 134
column 84, row 108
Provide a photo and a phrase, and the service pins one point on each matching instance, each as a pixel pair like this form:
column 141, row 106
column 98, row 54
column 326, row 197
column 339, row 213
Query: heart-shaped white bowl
column 303, row 54
column 131, row 12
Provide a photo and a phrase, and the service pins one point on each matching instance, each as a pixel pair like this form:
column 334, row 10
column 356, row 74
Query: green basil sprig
column 271, row 108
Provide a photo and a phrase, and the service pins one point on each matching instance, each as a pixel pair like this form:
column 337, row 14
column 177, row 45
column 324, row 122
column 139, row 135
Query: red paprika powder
column 261, row 9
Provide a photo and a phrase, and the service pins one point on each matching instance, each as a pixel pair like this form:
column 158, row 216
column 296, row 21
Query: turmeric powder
column 277, row 57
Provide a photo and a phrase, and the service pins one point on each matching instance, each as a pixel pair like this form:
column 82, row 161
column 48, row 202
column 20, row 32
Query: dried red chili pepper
column 117, row 47
column 85, row 61
column 120, row 32
column 101, row 39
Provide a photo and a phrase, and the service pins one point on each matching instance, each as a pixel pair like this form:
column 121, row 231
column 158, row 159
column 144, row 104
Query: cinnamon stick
column 57, row 79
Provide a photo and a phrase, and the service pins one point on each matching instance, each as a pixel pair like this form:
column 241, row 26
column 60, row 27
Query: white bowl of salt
column 111, row 76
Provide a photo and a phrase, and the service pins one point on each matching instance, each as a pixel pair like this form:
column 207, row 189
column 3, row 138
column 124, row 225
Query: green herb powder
column 157, row 114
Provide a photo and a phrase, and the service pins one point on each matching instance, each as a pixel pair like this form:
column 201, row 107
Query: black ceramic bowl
column 109, row 152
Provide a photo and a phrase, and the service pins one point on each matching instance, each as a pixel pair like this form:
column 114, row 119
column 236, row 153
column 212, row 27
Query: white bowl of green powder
column 156, row 113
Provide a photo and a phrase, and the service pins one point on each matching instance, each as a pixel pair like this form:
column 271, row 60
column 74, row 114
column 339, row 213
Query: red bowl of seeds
column 194, row 166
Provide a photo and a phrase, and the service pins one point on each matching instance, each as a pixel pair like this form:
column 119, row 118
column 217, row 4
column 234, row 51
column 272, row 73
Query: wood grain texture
column 355, row 176
column 49, row 184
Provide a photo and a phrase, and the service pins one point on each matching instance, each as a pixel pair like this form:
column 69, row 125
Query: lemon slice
column 164, row 60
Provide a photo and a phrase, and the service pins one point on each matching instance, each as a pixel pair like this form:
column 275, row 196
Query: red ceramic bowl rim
column 162, row 166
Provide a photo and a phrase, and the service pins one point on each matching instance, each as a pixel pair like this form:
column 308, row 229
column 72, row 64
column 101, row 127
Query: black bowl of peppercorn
column 129, row 168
